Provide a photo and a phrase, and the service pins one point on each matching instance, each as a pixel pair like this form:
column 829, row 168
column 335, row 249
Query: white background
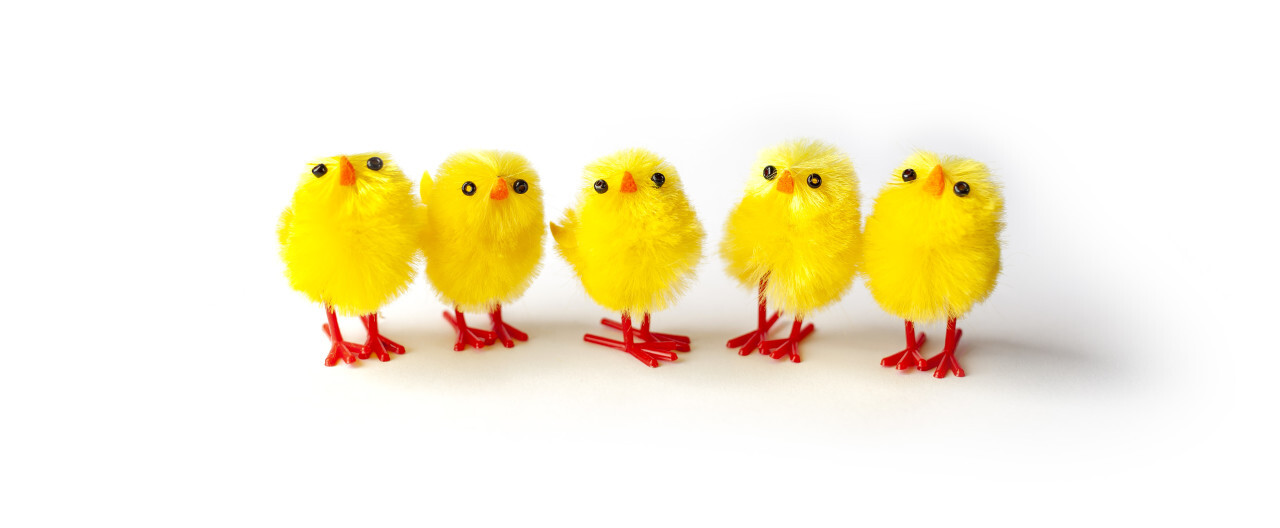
column 158, row 369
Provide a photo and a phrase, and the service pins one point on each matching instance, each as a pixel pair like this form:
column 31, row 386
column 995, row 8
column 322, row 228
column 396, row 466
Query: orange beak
column 786, row 183
column 499, row 190
column 628, row 183
column 937, row 181
column 346, row 173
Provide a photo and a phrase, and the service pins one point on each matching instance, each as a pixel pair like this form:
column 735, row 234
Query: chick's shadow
column 431, row 361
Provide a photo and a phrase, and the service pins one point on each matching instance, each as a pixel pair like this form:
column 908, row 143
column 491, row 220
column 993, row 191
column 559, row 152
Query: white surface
column 159, row 370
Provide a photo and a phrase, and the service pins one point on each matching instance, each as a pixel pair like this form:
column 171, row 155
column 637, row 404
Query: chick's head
column 341, row 182
column 634, row 181
column 805, row 175
column 485, row 189
column 945, row 195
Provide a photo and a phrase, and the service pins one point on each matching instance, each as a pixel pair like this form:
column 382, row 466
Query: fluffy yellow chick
column 349, row 240
column 933, row 249
column 794, row 237
column 633, row 240
column 483, row 238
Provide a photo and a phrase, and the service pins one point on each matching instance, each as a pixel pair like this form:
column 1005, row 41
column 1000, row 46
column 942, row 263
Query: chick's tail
column 285, row 227
column 566, row 236
column 425, row 186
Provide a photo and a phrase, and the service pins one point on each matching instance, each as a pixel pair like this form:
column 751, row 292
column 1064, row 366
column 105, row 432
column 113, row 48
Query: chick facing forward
column 483, row 238
column 794, row 238
column 349, row 241
column 933, row 249
column 633, row 240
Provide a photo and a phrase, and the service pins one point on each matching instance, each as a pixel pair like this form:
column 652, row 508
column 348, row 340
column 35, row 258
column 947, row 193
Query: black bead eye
column 770, row 172
column 602, row 186
column 468, row 188
column 961, row 189
column 909, row 175
column 319, row 170
column 658, row 179
column 814, row 180
column 520, row 186
column 374, row 163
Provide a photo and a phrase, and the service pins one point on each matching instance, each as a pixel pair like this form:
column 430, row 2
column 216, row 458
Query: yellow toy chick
column 794, row 237
column 634, row 241
column 933, row 249
column 349, row 240
column 483, row 238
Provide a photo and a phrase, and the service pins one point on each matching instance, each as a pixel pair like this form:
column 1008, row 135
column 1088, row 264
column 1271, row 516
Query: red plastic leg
column 503, row 331
column 747, row 343
column 946, row 360
column 467, row 336
column 909, row 357
column 682, row 342
column 376, row 344
column 649, row 353
column 790, row 346
column 340, row 350
column 659, row 336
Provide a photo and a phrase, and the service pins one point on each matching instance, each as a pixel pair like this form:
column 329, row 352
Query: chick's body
column 933, row 257
column 349, row 239
column 635, row 251
column 795, row 236
column 483, row 238
column 806, row 241
column 634, row 241
column 932, row 246
column 483, row 251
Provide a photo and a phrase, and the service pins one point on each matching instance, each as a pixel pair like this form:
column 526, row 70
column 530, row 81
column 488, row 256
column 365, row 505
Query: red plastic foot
column 339, row 350
column 467, row 336
column 643, row 333
column 946, row 360
column 342, row 350
column 790, row 346
column 377, row 344
column 504, row 332
column 345, row 351
column 747, row 343
column 909, row 357
column 649, row 353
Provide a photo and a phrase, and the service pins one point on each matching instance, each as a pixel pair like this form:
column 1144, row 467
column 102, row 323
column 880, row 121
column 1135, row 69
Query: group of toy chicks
column 353, row 237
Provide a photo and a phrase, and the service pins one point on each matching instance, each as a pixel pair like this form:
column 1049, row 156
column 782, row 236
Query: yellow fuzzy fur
column 480, row 251
column 353, row 247
column 635, row 252
column 929, row 258
column 807, row 242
